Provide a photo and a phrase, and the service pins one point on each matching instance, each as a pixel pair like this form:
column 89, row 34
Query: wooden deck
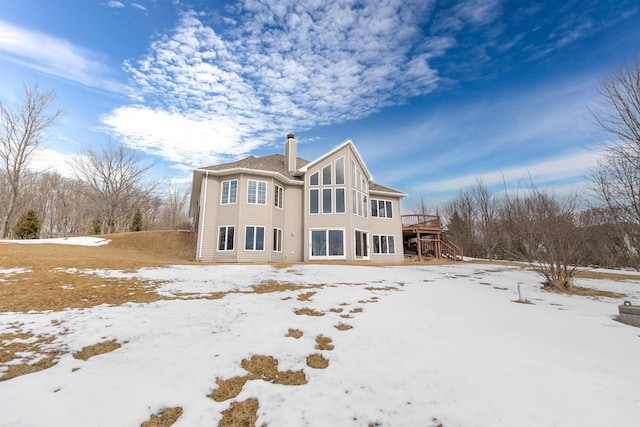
column 423, row 233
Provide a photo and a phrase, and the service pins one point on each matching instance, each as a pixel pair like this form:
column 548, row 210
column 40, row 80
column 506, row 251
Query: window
column 313, row 179
column 326, row 175
column 254, row 238
column 226, row 237
column 277, row 240
column 361, row 244
column 340, row 171
column 229, row 192
column 384, row 245
column 326, row 200
column 256, row 192
column 381, row 208
column 278, row 196
column 313, row 201
column 327, row 243
column 340, row 207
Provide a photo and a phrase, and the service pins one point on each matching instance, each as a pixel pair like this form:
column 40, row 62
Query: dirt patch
column 294, row 333
column 308, row 312
column 240, row 414
column 306, row 296
column 324, row 343
column 343, row 327
column 317, row 361
column 165, row 418
column 356, row 310
column 228, row 389
column 336, row 310
column 97, row 349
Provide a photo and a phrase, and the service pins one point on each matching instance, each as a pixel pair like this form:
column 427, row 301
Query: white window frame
column 277, row 239
column 278, row 196
column 259, row 184
column 317, row 192
column 335, row 171
column 387, row 204
column 344, row 200
column 255, row 237
column 228, row 199
column 366, row 246
column 226, row 242
column 327, row 256
column 378, row 238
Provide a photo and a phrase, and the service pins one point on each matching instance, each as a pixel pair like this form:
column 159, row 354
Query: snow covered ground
column 78, row 241
column 432, row 344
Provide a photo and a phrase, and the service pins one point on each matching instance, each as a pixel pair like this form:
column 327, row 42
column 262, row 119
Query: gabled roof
column 348, row 142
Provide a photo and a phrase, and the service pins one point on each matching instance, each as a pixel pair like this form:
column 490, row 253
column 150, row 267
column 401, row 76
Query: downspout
column 202, row 216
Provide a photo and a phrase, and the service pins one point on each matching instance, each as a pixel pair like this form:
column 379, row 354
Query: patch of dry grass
column 268, row 286
column 306, row 296
column 294, row 333
column 308, row 312
column 324, row 343
column 317, row 361
column 34, row 353
column 260, row 368
column 336, row 310
column 343, row 327
column 384, row 288
column 48, row 287
column 582, row 291
column 228, row 389
column 167, row 417
column 240, row 414
column 356, row 310
column 97, row 349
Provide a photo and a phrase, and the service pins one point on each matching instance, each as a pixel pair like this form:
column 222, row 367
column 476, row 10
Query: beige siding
column 292, row 220
column 388, row 227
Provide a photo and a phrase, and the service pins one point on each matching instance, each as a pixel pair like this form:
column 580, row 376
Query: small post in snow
column 521, row 297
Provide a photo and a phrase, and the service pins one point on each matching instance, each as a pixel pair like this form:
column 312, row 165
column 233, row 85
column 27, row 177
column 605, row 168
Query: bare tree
column 616, row 178
column 174, row 207
column 550, row 239
column 22, row 130
column 115, row 177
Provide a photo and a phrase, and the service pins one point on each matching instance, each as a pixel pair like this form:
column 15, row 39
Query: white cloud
column 184, row 140
column 114, row 3
column 283, row 66
column 54, row 56
column 48, row 160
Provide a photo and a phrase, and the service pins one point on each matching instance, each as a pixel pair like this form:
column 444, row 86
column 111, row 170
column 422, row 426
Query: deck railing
column 421, row 221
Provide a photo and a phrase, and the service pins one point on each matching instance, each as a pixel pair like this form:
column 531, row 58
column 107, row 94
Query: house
column 282, row 208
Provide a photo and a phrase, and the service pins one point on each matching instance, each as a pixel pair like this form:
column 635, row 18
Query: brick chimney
column 290, row 153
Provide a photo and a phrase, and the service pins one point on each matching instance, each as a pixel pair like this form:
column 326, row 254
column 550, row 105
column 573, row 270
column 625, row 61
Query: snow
column 78, row 241
column 433, row 344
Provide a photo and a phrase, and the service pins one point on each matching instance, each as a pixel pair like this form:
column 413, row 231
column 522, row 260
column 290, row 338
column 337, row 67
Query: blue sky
column 435, row 94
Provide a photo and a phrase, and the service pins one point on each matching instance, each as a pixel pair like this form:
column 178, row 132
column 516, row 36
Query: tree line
column 109, row 193
column 555, row 234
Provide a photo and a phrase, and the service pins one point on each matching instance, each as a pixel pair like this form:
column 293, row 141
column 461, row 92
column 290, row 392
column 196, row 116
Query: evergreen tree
column 136, row 222
column 27, row 226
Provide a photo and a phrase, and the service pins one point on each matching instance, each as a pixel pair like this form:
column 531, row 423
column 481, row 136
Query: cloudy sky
column 435, row 94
